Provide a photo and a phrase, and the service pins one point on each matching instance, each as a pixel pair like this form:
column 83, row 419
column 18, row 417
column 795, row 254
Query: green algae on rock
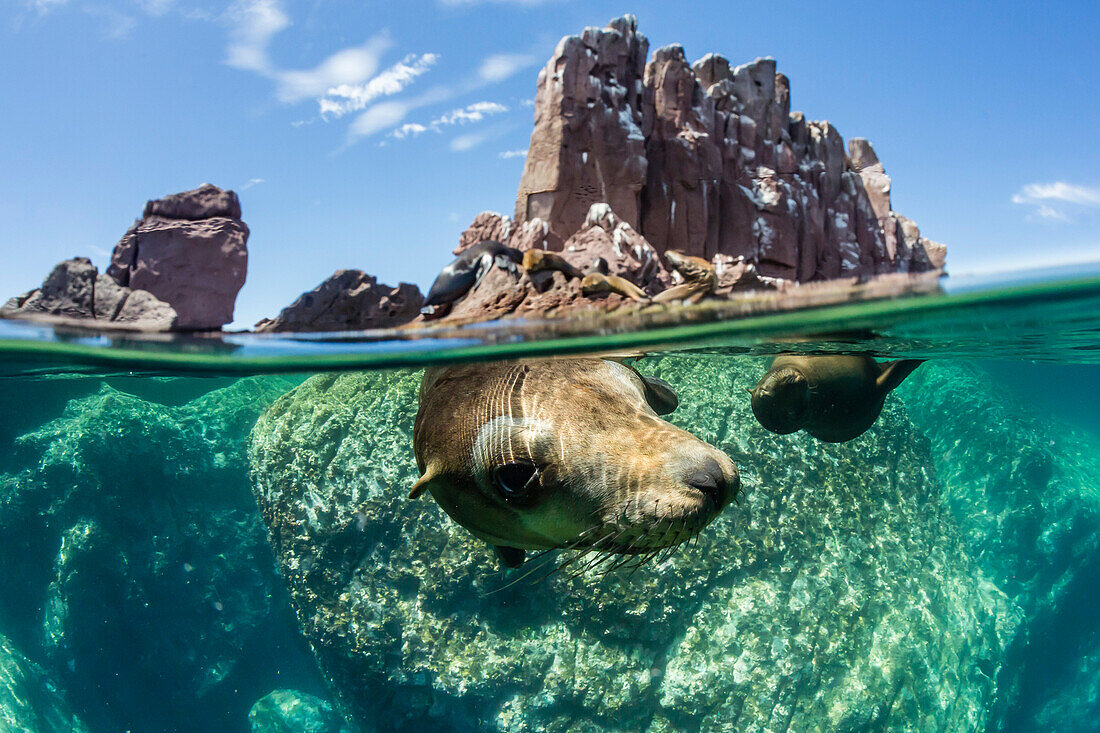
column 838, row 596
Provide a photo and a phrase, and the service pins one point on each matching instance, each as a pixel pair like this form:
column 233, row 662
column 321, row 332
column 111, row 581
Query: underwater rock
column 134, row 565
column 707, row 159
column 75, row 292
column 1032, row 525
column 290, row 711
column 190, row 251
column 349, row 300
column 30, row 701
column 837, row 596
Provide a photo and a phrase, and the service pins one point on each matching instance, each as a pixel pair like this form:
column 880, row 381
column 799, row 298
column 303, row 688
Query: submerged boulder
column 30, row 701
column 134, row 566
column 290, row 711
column 837, row 596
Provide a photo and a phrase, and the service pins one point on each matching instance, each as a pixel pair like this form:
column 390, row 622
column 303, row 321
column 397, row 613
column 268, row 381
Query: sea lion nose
column 709, row 478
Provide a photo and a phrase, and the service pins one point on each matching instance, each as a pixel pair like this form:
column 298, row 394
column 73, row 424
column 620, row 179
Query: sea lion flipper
column 510, row 557
column 660, row 395
column 894, row 373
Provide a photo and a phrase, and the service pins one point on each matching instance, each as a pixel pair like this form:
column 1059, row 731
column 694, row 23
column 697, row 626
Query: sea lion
column 565, row 453
column 539, row 260
column 596, row 283
column 700, row 278
column 832, row 397
column 465, row 272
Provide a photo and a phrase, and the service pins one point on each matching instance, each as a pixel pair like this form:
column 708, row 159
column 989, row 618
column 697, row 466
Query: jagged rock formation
column 189, row 250
column 350, row 300
column 706, row 159
column 837, row 597
column 75, row 290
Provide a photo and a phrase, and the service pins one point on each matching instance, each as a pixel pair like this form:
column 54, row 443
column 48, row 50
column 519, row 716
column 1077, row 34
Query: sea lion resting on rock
column 565, row 453
column 700, row 278
column 597, row 283
column 832, row 397
column 465, row 272
column 539, row 260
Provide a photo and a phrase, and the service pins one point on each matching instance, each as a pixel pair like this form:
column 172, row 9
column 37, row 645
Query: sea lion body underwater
column 565, row 453
column 465, row 272
column 834, row 398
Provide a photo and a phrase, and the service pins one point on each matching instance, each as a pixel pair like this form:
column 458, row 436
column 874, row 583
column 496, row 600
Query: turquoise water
column 216, row 535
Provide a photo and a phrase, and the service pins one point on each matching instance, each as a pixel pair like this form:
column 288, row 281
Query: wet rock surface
column 289, row 711
column 706, row 158
column 349, row 300
column 1032, row 525
column 30, row 701
column 190, row 251
column 135, row 569
column 75, row 292
column 837, row 596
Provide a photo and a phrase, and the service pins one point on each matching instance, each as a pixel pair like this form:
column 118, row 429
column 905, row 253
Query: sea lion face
column 565, row 453
column 781, row 401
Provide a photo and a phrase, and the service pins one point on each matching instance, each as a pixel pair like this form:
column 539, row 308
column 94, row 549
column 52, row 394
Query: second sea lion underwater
column 567, row 454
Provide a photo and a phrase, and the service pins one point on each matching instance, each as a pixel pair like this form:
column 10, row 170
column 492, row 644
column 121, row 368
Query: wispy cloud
column 254, row 23
column 462, row 143
column 499, row 67
column 44, row 6
column 116, row 24
column 1058, row 201
column 475, row 112
column 508, row 154
column 252, row 182
column 340, row 100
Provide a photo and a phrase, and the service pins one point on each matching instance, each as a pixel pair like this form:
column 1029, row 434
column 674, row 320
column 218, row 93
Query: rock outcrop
column 29, row 699
column 707, row 159
column 350, row 300
column 76, row 291
column 836, row 597
column 290, row 711
column 190, row 251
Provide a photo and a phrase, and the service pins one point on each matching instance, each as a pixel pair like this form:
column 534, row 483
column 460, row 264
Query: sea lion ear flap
column 660, row 395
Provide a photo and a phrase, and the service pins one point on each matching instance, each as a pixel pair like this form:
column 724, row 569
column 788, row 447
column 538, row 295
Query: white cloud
column 499, row 67
column 252, row 182
column 408, row 129
column 463, row 143
column 1058, row 201
column 343, row 69
column 464, row 3
column 156, row 8
column 116, row 25
column 254, row 23
column 377, row 118
column 507, row 154
column 340, row 100
column 475, row 112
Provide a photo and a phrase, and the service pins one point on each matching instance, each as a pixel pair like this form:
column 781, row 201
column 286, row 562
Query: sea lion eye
column 513, row 479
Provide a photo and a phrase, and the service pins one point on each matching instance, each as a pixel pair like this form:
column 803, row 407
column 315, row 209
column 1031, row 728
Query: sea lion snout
column 713, row 482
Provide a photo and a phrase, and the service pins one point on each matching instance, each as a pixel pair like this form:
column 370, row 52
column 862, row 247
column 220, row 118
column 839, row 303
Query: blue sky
column 368, row 134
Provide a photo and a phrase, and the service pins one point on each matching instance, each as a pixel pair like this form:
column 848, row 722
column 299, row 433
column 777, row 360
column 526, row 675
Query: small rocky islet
column 631, row 158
